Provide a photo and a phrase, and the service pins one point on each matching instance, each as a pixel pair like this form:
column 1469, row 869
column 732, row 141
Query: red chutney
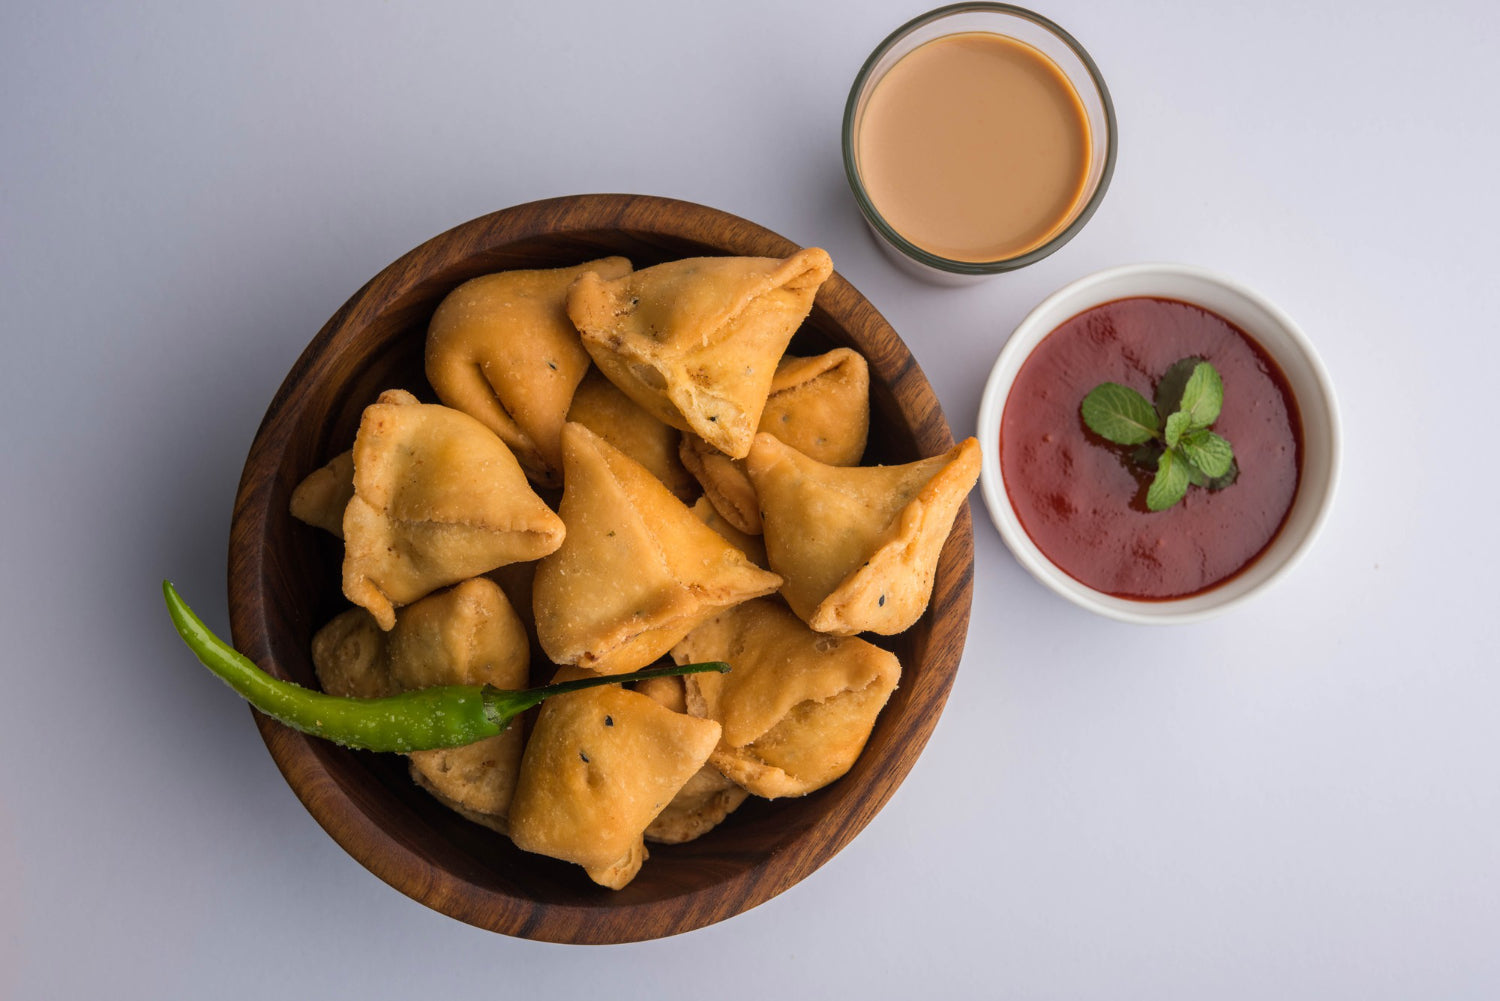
column 1081, row 501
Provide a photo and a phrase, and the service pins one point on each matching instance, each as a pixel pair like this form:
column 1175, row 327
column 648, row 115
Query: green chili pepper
column 443, row 716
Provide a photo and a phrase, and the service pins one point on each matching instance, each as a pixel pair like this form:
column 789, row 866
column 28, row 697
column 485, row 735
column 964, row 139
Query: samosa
column 705, row 799
column 858, row 546
column 798, row 706
column 321, row 497
column 820, row 406
column 696, row 341
column 467, row 635
column 501, row 348
column 438, row 498
column 601, row 407
column 598, row 768
column 637, row 569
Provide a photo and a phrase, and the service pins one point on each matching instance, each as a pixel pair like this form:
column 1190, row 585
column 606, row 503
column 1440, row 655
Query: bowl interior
column 285, row 584
column 1281, row 339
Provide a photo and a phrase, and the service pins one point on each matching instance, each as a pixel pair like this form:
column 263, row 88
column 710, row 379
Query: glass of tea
column 978, row 138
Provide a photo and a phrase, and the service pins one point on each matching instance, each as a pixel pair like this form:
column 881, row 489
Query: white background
column 1300, row 799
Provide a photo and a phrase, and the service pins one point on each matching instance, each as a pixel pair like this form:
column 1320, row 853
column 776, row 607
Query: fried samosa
column 636, row 570
column 501, row 349
column 696, row 341
column 858, row 546
column 438, row 498
column 320, row 499
column 467, row 635
column 602, row 408
column 797, row 707
column 706, row 799
column 752, row 546
column 598, row 768
column 820, row 406
column 515, row 580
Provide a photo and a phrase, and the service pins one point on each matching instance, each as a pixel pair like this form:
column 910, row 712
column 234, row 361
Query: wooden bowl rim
column 344, row 817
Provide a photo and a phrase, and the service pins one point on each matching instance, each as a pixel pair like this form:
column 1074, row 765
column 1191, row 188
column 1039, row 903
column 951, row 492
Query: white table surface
column 1300, row 799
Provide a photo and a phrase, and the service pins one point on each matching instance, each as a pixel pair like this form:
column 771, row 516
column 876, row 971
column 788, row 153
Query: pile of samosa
column 711, row 508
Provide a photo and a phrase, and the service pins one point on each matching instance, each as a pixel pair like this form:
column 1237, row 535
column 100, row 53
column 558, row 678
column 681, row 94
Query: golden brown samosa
column 797, row 706
column 467, row 635
column 501, row 349
column 515, row 580
column 351, row 657
column 696, row 341
column 858, row 546
column 438, row 498
column 636, row 570
column 751, row 545
column 603, row 409
column 820, row 406
column 320, row 499
column 599, row 766
column 706, row 799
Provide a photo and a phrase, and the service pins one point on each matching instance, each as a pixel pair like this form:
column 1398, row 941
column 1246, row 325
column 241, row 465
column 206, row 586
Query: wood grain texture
column 284, row 583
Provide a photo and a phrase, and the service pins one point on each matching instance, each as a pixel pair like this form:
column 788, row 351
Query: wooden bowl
column 284, row 584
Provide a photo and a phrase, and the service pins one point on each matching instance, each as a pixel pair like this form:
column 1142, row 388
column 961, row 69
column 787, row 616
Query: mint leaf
column 1206, row 450
column 1170, row 387
column 1177, row 425
column 1203, row 397
column 1171, row 436
column 1171, row 481
column 1119, row 414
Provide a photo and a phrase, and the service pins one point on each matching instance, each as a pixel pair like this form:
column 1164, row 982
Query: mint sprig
column 1203, row 397
column 1171, row 482
column 1120, row 414
column 1173, row 435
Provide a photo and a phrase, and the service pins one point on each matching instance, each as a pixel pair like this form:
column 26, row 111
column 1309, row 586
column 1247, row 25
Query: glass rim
column 906, row 247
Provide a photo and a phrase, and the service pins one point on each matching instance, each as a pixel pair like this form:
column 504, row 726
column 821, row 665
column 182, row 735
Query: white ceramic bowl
column 1281, row 339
